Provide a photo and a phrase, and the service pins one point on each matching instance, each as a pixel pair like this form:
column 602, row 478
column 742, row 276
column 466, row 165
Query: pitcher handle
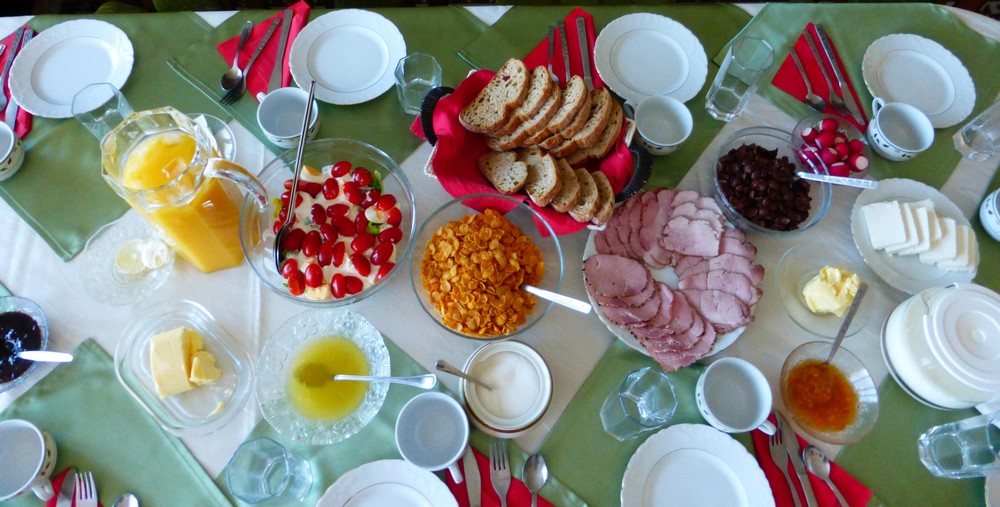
column 222, row 168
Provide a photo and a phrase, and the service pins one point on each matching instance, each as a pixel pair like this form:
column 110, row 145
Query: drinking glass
column 415, row 76
column 263, row 469
column 980, row 138
column 644, row 401
column 746, row 60
column 100, row 107
column 963, row 449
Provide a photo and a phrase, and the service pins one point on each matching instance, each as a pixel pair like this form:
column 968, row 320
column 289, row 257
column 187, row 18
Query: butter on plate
column 831, row 291
column 179, row 362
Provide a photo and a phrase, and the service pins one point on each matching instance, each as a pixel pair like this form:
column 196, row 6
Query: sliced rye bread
column 543, row 180
column 600, row 113
column 528, row 128
column 504, row 170
column 605, row 199
column 570, row 189
column 496, row 102
column 605, row 143
column 540, row 88
column 586, row 202
column 574, row 97
column 574, row 126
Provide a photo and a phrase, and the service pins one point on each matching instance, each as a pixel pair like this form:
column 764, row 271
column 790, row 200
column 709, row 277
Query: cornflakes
column 473, row 270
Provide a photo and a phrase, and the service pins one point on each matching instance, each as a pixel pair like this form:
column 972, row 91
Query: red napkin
column 516, row 496
column 856, row 494
column 539, row 55
column 23, row 117
column 790, row 81
column 260, row 73
column 56, row 484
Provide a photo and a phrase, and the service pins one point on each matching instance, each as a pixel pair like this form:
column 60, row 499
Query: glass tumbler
column 962, row 449
column 263, row 469
column 645, row 400
column 415, row 76
column 100, row 107
column 980, row 138
column 746, row 60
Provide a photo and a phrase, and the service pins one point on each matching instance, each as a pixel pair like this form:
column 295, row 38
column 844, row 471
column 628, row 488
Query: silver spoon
column 858, row 296
column 45, row 356
column 535, row 473
column 126, row 500
column 422, row 381
column 819, row 465
column 447, row 367
column 812, row 100
column 559, row 299
column 296, row 170
column 232, row 77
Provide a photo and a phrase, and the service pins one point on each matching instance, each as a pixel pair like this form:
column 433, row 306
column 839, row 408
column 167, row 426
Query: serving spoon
column 422, row 381
column 817, row 463
column 232, row 77
column 559, row 299
column 296, row 170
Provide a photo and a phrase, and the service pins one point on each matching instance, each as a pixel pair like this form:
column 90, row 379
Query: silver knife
column 819, row 61
column 792, row 446
column 286, row 25
column 472, row 480
column 552, row 47
column 851, row 102
column 14, row 44
column 565, row 49
column 10, row 115
column 581, row 33
column 65, row 498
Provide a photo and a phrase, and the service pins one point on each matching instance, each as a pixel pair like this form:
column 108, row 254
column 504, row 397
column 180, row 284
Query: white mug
column 280, row 114
column 734, row 396
column 898, row 131
column 27, row 459
column 432, row 431
column 11, row 152
column 662, row 122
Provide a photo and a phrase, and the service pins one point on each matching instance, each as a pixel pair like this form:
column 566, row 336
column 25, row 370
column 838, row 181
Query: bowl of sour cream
column 521, row 391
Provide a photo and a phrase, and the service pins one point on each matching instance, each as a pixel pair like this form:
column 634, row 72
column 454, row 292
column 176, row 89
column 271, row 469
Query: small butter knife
column 581, row 33
column 279, row 58
column 472, row 480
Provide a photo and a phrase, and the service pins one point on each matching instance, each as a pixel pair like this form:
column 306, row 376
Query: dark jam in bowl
column 18, row 331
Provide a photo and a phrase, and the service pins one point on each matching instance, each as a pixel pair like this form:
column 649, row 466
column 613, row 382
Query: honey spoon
column 45, row 356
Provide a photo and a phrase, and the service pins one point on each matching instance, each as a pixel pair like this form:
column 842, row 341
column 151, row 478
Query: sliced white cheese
column 967, row 251
column 885, row 224
column 910, row 228
column 923, row 232
column 935, row 224
column 945, row 248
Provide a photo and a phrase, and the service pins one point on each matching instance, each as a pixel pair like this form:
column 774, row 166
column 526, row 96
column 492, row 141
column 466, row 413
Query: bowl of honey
column 835, row 402
column 296, row 391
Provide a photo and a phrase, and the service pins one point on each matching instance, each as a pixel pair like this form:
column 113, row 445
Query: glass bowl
column 256, row 226
column 771, row 139
column 153, row 262
column 797, row 267
column 204, row 409
column 518, row 213
column 844, row 126
column 276, row 362
column 13, row 370
column 860, row 381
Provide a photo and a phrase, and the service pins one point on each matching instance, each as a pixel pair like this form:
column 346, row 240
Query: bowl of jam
column 23, row 326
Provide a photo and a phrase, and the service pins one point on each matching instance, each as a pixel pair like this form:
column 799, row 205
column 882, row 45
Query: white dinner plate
column 694, row 464
column 915, row 70
column 351, row 54
column 667, row 276
column 64, row 59
column 905, row 272
column 387, row 482
column 641, row 55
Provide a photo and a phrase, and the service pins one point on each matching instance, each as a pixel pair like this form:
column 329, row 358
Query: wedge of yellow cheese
column 178, row 362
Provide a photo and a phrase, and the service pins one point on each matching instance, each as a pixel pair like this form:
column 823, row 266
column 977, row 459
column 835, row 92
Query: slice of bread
column 543, row 180
column 504, row 170
column 600, row 113
column 540, row 88
column 586, row 202
column 496, row 102
column 574, row 97
column 605, row 198
column 574, row 126
column 528, row 128
column 570, row 189
column 604, row 143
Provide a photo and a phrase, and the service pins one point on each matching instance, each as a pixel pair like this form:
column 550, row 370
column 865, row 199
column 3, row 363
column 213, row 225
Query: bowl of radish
column 834, row 141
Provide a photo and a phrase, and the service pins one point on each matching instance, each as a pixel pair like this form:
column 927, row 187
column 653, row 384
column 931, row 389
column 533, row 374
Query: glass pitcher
column 168, row 170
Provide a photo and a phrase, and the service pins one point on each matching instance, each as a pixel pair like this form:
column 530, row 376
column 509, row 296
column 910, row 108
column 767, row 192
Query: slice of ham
column 632, row 300
column 614, row 275
column 671, row 360
column 690, row 237
column 647, row 230
column 683, row 196
column 725, row 311
column 726, row 262
column 693, row 212
column 727, row 281
column 737, row 247
column 629, row 315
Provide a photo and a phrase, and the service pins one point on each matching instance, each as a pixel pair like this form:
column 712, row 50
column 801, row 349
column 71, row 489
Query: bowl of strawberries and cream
column 354, row 216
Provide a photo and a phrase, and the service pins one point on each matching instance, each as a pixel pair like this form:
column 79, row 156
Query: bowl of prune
column 23, row 326
column 756, row 183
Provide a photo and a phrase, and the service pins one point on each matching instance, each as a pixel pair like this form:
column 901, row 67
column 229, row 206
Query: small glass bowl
column 518, row 213
column 797, row 267
column 852, row 132
column 105, row 282
column 29, row 308
column 204, row 409
column 770, row 139
column 256, row 227
column 276, row 361
column 857, row 375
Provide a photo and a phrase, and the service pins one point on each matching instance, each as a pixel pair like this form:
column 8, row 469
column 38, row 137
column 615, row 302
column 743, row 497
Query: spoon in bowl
column 819, row 465
column 535, row 473
column 45, row 356
column 844, row 326
column 232, row 77
column 447, row 367
column 422, row 381
column 559, row 299
column 126, row 500
column 296, row 170
column 812, row 100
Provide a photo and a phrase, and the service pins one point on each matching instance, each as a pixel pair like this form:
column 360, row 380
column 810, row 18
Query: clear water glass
column 100, row 107
column 415, row 76
column 963, row 449
column 645, row 400
column 262, row 469
column 746, row 60
column 980, row 138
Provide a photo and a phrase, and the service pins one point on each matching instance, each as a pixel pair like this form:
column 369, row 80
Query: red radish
column 809, row 134
column 839, row 169
column 842, row 150
column 825, row 139
column 829, row 156
column 829, row 125
column 839, row 137
column 856, row 145
column 858, row 162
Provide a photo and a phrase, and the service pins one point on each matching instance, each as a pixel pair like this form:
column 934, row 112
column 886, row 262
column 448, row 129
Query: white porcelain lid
column 963, row 330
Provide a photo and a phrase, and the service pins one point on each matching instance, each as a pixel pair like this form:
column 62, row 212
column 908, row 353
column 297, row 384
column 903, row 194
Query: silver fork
column 780, row 458
column 241, row 88
column 500, row 471
column 834, row 100
column 86, row 490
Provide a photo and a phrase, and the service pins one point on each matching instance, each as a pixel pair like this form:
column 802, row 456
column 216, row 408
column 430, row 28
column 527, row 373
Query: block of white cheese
column 885, row 224
column 967, row 255
column 909, row 228
column 923, row 228
column 178, row 362
column 945, row 248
